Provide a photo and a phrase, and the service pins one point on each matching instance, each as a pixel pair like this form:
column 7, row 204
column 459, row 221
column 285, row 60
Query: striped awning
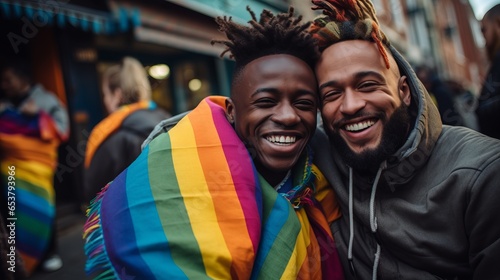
column 61, row 13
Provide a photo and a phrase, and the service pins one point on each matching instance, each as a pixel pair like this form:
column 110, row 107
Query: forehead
column 11, row 75
column 358, row 51
column 485, row 22
column 352, row 55
column 7, row 72
column 271, row 64
column 273, row 71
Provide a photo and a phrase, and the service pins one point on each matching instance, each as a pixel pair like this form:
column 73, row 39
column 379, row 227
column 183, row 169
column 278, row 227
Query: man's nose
column 352, row 102
column 286, row 115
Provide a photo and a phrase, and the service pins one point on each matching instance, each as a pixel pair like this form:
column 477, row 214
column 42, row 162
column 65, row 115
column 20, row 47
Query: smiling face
column 359, row 97
column 273, row 108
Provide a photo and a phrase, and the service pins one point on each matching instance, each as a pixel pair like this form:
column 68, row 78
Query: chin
column 278, row 165
column 357, row 150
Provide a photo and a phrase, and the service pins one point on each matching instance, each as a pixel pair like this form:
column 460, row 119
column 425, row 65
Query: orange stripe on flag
column 226, row 203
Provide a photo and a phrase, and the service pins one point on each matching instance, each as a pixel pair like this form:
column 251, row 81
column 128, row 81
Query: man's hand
column 29, row 108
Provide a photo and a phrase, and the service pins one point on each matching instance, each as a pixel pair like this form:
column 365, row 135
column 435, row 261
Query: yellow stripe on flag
column 198, row 202
column 299, row 256
column 38, row 174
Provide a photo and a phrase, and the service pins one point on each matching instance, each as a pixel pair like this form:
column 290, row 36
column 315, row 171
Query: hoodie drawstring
column 373, row 219
column 351, row 225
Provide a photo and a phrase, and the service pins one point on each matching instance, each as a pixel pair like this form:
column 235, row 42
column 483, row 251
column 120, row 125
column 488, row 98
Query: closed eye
column 264, row 102
column 305, row 104
column 368, row 86
column 331, row 95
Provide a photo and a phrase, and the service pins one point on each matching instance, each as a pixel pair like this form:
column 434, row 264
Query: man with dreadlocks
column 420, row 200
column 230, row 192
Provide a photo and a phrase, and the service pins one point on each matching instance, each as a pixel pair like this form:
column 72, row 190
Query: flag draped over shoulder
column 192, row 206
column 28, row 151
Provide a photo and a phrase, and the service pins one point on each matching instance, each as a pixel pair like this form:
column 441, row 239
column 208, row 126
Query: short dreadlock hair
column 348, row 20
column 272, row 34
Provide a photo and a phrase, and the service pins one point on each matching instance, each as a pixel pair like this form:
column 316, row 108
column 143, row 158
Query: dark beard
column 393, row 137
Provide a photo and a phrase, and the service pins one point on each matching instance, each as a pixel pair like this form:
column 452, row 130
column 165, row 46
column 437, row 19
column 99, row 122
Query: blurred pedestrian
column 230, row 191
column 419, row 199
column 465, row 103
column 441, row 93
column 33, row 122
column 116, row 141
column 488, row 109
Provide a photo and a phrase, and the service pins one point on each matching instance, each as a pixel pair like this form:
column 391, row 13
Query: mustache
column 361, row 114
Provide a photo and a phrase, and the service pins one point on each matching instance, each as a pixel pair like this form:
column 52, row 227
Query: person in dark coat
column 442, row 95
column 488, row 109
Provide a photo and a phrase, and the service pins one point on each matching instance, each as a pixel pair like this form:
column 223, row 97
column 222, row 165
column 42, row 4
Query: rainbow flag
column 192, row 206
column 28, row 149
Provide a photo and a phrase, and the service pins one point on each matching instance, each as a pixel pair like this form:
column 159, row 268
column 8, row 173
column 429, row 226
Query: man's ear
column 230, row 110
column 404, row 90
column 118, row 96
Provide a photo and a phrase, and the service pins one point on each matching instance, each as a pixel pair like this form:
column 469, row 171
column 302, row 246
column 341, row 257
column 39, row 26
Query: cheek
column 310, row 119
column 243, row 125
column 106, row 98
column 15, row 84
column 329, row 111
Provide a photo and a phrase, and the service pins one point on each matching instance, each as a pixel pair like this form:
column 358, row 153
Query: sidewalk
column 70, row 249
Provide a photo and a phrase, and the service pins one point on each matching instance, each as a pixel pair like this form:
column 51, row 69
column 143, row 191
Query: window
column 398, row 14
column 455, row 36
column 379, row 6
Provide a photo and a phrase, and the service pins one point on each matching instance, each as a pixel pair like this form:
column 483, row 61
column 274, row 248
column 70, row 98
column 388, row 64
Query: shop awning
column 61, row 13
column 235, row 8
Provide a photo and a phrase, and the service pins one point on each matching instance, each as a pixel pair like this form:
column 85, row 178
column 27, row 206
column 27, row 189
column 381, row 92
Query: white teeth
column 359, row 126
column 281, row 139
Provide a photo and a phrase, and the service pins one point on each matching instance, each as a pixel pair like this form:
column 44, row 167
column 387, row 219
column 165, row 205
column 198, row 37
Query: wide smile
column 283, row 143
column 281, row 140
column 360, row 132
column 359, row 126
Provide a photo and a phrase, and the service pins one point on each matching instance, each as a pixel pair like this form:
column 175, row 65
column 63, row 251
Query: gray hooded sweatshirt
column 433, row 209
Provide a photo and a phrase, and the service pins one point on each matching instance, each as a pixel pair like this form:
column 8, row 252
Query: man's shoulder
column 163, row 127
column 38, row 89
column 469, row 144
column 43, row 96
column 145, row 120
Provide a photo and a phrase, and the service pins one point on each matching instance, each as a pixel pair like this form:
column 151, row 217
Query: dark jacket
column 120, row 149
column 435, row 207
column 488, row 109
column 444, row 98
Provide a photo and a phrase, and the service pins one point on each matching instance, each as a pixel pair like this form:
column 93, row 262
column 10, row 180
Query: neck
column 273, row 178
